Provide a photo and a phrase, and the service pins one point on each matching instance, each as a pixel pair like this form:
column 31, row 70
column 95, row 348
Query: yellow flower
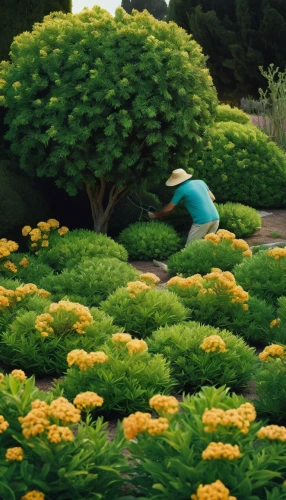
column 273, row 432
column 45, row 236
column 277, row 253
column 272, row 351
column 34, row 245
column 63, row 230
column 137, row 287
column 26, row 230
column 35, row 234
column 57, row 434
column 221, row 450
column 213, row 491
column 3, row 424
column 61, row 409
column 36, row 421
column 135, row 423
column 213, row 343
column 54, row 223
column 213, row 238
column 245, row 307
column 149, row 278
column 24, row 262
column 34, row 495
column 275, row 322
column 44, row 226
column 10, row 266
column 84, row 316
column 164, row 404
column 45, row 243
column 227, row 235
column 16, row 454
column 157, row 426
column 240, row 418
column 247, row 253
column 1, row 377
column 240, row 244
column 88, row 401
column 19, row 375
column 83, row 360
column 121, row 337
column 43, row 321
column 44, row 334
column 136, row 346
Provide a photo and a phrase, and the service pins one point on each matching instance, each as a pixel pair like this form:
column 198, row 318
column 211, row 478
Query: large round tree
column 105, row 103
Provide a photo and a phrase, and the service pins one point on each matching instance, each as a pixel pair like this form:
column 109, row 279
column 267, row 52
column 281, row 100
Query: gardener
column 198, row 200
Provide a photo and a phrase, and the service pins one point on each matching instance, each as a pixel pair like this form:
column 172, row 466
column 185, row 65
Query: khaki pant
column 199, row 231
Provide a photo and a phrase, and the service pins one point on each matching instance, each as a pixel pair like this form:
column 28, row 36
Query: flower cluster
column 6, row 248
column 85, row 360
column 223, row 234
column 121, row 338
column 272, row 351
column 275, row 322
column 277, row 253
column 87, row 401
column 34, row 495
column 84, row 316
column 57, row 434
column 39, row 236
column 19, row 375
column 221, row 450
column 213, row 343
column 213, row 491
column 10, row 297
column 142, row 422
column 137, row 287
column 240, row 418
column 24, row 262
column 273, row 432
column 164, row 404
column 3, row 424
column 14, row 454
column 136, row 346
column 149, row 279
column 42, row 324
column 193, row 281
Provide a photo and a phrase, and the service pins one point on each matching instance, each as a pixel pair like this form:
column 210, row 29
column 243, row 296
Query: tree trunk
column 103, row 199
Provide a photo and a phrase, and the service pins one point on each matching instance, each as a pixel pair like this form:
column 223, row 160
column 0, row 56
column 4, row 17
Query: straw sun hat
column 178, row 176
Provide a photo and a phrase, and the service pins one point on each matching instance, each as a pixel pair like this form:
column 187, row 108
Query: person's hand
column 151, row 215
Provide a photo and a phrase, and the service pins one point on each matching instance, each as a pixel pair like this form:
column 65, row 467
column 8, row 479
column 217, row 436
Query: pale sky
column 111, row 5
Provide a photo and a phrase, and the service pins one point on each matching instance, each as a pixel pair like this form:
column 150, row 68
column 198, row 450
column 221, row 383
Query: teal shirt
column 195, row 195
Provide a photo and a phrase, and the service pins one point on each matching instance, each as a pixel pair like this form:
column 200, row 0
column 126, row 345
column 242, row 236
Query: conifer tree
column 158, row 8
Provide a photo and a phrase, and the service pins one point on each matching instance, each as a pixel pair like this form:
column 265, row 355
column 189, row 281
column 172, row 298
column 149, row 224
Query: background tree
column 106, row 103
column 237, row 36
column 158, row 8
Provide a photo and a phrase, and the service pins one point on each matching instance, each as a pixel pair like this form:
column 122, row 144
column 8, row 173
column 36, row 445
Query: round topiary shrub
column 141, row 309
column 240, row 219
column 91, row 281
column 29, row 344
column 221, row 250
column 241, row 165
column 227, row 114
column 126, row 376
column 149, row 240
column 264, row 275
column 202, row 355
column 78, row 245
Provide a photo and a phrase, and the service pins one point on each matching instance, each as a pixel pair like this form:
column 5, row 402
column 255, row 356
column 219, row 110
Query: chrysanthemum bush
column 7, row 247
column 221, row 250
column 48, row 452
column 217, row 300
column 29, row 269
column 91, row 281
column 150, row 240
column 206, row 451
column 240, row 219
column 202, row 355
column 227, row 114
column 140, row 309
column 123, row 373
column 78, row 245
column 264, row 275
column 39, row 236
column 40, row 341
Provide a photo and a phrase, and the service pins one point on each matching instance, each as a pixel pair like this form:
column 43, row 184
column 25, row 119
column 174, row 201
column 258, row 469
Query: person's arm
column 165, row 211
column 212, row 197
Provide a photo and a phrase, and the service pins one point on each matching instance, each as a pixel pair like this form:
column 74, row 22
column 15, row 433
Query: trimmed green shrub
column 125, row 381
column 22, row 345
column 225, row 113
column 219, row 250
column 91, row 281
column 149, row 240
column 215, row 299
column 33, row 272
column 193, row 367
column 240, row 219
column 180, row 463
column 241, row 165
column 264, row 275
column 78, row 245
column 141, row 312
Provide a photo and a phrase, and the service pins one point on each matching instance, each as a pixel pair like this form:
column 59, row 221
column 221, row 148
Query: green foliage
column 90, row 282
column 240, row 219
column 87, row 466
column 126, row 382
column 241, row 165
column 145, row 312
column 202, row 255
column 33, row 273
column 23, row 346
column 270, row 384
column 170, row 465
column 226, row 113
column 158, row 8
column 78, row 245
column 237, row 36
column 263, row 275
column 149, row 240
column 265, row 247
column 192, row 367
column 114, row 104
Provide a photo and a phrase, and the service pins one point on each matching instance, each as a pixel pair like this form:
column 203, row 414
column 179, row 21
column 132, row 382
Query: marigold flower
column 54, row 223
column 45, row 243
column 44, row 226
column 35, row 234
column 61, row 409
column 36, row 421
column 34, row 245
column 24, row 262
column 14, row 454
column 213, row 343
column 26, row 230
column 135, row 423
column 157, row 426
column 136, row 346
column 164, row 404
column 275, row 322
column 221, row 450
column 213, row 238
column 247, row 253
column 57, row 434
column 87, row 401
column 149, row 278
column 213, row 491
column 271, row 351
column 19, row 375
column 3, row 424
column 121, row 337
column 245, row 307
column 240, row 418
column 273, row 432
column 10, row 266
column 83, row 360
column 240, row 244
column 277, row 253
column 137, row 287
column 34, row 495
column 63, row 230
column 227, row 235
